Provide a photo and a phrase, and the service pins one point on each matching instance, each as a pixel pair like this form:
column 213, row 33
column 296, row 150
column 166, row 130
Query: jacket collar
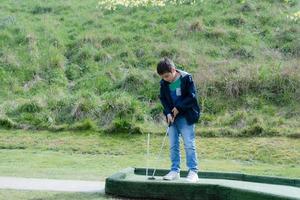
column 183, row 74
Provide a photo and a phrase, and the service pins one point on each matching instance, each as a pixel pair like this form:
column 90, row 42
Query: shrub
column 119, row 102
column 73, row 72
column 287, row 41
column 140, row 83
column 237, row 119
column 7, row 123
column 110, row 40
column 86, row 124
column 254, row 130
column 29, row 107
column 124, row 126
column 103, row 57
column 157, row 112
column 67, row 110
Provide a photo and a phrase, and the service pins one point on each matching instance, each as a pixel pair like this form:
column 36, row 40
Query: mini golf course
column 133, row 183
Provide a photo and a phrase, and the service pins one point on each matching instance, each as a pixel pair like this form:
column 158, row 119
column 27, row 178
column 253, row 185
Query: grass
column 87, row 74
column 72, row 65
column 14, row 195
column 90, row 156
column 57, row 165
column 95, row 156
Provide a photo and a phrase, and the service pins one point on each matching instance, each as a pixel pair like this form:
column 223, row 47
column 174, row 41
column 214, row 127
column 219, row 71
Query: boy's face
column 169, row 76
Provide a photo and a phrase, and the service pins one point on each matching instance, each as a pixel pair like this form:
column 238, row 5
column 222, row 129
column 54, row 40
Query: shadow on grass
column 78, row 196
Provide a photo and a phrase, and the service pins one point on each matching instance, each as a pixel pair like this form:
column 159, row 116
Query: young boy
column 178, row 97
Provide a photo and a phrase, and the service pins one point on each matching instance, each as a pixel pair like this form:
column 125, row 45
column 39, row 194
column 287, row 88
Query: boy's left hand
column 175, row 112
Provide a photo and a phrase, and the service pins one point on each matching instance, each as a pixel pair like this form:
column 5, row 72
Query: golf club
column 159, row 155
column 148, row 144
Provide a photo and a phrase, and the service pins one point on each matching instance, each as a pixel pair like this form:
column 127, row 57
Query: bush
column 254, row 130
column 287, row 41
column 140, row 83
column 104, row 57
column 84, row 125
column 123, row 126
column 120, row 103
column 62, row 109
column 213, row 105
column 7, row 123
column 30, row 107
column 237, row 119
column 110, row 40
column 73, row 72
column 157, row 112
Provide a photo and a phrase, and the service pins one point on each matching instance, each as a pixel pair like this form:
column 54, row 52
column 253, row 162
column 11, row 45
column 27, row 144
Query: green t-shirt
column 175, row 89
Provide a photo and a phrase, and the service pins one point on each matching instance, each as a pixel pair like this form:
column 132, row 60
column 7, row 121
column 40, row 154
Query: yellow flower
column 113, row 4
column 295, row 16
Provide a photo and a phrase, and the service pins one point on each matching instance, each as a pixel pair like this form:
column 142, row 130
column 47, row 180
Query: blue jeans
column 180, row 127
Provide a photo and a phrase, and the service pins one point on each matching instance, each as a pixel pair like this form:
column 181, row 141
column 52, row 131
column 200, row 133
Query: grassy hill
column 76, row 65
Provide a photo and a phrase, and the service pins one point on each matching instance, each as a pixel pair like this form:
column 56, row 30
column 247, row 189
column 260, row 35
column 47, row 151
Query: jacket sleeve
column 189, row 99
column 163, row 100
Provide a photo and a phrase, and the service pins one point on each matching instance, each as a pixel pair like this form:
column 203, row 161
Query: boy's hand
column 170, row 119
column 175, row 112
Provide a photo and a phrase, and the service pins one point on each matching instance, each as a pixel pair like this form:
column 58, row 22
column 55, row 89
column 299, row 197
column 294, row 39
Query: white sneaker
column 192, row 177
column 172, row 175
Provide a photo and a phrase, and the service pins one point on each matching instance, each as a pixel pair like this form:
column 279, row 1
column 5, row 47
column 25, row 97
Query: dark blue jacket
column 187, row 104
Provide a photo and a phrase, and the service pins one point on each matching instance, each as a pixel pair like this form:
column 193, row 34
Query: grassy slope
column 62, row 62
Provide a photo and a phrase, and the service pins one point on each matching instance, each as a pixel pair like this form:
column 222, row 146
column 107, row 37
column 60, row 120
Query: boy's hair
column 165, row 66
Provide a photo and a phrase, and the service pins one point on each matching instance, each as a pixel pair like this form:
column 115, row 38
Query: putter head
column 151, row 178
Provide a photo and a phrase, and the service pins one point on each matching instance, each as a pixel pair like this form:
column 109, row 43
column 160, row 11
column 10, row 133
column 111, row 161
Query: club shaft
column 161, row 149
column 148, row 146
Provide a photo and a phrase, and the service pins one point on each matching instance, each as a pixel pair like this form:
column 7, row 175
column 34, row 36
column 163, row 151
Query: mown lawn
column 30, row 195
column 95, row 156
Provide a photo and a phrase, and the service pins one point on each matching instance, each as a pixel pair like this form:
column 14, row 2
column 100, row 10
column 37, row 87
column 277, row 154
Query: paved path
column 51, row 185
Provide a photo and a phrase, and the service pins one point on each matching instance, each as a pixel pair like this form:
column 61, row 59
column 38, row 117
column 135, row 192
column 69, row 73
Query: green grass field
column 95, row 156
column 30, row 195
column 91, row 156
column 74, row 65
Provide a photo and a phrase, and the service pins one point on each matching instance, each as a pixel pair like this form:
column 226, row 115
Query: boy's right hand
column 170, row 119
